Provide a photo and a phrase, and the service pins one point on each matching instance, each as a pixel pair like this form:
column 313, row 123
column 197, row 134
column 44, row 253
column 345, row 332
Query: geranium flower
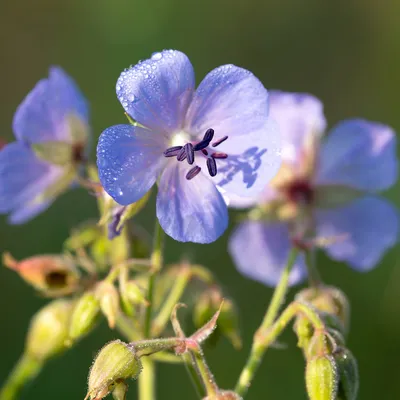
column 325, row 189
column 52, row 132
column 193, row 141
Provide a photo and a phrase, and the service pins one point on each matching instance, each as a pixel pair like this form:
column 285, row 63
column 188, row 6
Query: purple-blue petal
column 230, row 100
column 190, row 210
column 260, row 252
column 156, row 92
column 253, row 160
column 42, row 115
column 365, row 230
column 300, row 118
column 27, row 212
column 359, row 154
column 129, row 160
column 233, row 102
column 23, row 177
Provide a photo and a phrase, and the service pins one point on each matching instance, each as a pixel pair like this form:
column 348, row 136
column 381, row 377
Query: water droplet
column 156, row 56
column 131, row 98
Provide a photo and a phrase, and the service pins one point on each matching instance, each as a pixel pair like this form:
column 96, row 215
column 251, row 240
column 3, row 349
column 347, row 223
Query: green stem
column 263, row 339
column 25, row 370
column 194, row 376
column 147, row 390
column 173, row 298
column 202, row 371
column 147, row 387
column 156, row 261
column 258, row 350
column 314, row 278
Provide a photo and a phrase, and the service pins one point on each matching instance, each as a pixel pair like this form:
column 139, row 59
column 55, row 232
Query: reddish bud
column 54, row 275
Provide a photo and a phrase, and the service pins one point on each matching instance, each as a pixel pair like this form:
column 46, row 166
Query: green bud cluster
column 331, row 369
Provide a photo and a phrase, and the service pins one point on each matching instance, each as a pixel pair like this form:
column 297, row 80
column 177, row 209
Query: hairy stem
column 258, row 349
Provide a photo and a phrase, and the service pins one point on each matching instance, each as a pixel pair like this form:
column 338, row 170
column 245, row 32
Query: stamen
column 219, row 155
column 218, row 142
column 204, row 151
column 172, row 151
column 208, row 136
column 212, row 166
column 193, row 172
column 189, row 152
column 182, row 154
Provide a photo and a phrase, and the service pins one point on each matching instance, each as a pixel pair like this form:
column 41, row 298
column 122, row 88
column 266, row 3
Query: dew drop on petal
column 156, row 56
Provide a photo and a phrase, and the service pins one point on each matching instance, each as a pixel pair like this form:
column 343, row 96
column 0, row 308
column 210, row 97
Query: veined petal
column 45, row 113
column 156, row 92
column 260, row 252
column 365, row 229
column 129, row 159
column 23, row 177
column 301, row 121
column 252, row 162
column 230, row 100
column 190, row 210
column 360, row 154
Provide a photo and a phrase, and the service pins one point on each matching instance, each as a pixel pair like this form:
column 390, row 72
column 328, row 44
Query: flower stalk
column 258, row 349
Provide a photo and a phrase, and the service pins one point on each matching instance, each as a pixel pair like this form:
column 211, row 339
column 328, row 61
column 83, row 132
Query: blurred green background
column 345, row 52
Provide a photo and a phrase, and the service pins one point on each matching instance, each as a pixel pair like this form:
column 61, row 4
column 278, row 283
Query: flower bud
column 48, row 330
column 120, row 390
column 54, row 275
column 329, row 300
column 348, row 374
column 321, row 378
column 108, row 297
column 228, row 323
column 224, row 395
column 114, row 363
column 84, row 316
column 320, row 344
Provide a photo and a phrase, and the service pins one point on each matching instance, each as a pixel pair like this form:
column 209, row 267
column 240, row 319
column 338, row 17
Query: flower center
column 300, row 191
column 188, row 152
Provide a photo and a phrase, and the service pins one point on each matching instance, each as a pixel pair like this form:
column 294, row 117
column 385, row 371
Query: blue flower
column 198, row 143
column 51, row 128
column 326, row 189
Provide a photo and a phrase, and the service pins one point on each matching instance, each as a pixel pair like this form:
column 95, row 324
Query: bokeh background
column 346, row 52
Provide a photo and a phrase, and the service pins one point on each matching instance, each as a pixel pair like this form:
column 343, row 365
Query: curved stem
column 25, row 370
column 258, row 349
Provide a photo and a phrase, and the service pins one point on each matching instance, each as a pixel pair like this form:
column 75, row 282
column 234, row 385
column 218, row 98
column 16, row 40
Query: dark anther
column 205, row 152
column 172, row 151
column 208, row 136
column 219, row 155
column 218, row 142
column 182, row 154
column 189, row 153
column 193, row 172
column 212, row 166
